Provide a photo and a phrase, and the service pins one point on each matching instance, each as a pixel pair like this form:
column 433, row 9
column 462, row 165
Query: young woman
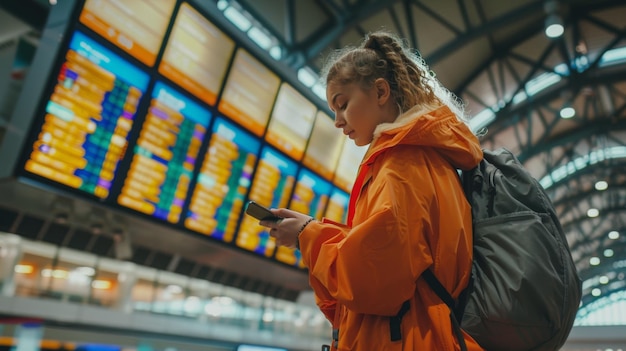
column 407, row 209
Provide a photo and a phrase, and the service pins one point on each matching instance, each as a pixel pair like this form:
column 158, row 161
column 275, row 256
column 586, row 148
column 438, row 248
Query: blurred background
column 133, row 132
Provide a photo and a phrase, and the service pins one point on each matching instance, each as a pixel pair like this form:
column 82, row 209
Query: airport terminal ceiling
column 515, row 81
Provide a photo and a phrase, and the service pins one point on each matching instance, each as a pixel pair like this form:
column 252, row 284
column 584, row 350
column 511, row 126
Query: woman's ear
column 383, row 90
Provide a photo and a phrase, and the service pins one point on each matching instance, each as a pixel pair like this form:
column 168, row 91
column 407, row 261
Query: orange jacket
column 407, row 214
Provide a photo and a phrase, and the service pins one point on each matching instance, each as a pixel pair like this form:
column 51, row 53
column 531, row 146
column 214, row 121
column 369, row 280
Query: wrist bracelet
column 301, row 229
column 305, row 224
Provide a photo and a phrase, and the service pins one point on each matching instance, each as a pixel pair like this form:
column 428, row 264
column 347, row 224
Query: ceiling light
column 237, row 18
column 222, row 5
column 320, row 91
column 614, row 234
column 608, row 253
column 601, row 185
column 594, row 261
column 613, row 56
column 482, row 119
column 603, row 279
column 260, row 38
column 554, row 26
column 307, row 77
column 593, row 212
column 541, row 82
column 276, row 52
column 596, row 292
column 567, row 112
column 581, row 163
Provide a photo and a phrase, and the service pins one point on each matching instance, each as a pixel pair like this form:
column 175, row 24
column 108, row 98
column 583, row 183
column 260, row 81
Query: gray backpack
column 525, row 290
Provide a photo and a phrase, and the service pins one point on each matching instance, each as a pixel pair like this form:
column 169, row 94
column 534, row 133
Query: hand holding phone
column 261, row 213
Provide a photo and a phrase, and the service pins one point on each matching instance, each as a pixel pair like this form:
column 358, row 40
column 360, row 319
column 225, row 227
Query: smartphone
column 260, row 212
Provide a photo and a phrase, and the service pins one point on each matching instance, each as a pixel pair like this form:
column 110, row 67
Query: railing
column 32, row 269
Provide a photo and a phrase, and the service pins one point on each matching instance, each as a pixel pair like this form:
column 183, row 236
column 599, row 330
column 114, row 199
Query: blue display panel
column 223, row 181
column 337, row 209
column 272, row 185
column 87, row 118
column 165, row 154
column 309, row 196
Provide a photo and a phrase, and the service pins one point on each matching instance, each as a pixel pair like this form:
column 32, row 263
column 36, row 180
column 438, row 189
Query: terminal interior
column 132, row 133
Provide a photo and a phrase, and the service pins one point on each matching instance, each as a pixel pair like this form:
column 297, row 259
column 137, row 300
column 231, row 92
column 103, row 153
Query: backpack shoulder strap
column 445, row 296
column 439, row 289
column 395, row 321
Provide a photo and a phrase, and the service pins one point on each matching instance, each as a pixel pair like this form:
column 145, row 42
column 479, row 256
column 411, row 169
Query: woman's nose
column 339, row 121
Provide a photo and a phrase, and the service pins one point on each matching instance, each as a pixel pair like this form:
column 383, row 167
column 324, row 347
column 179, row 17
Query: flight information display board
column 137, row 26
column 337, row 209
column 165, row 154
column 309, row 196
column 88, row 118
column 271, row 187
column 249, row 93
column 348, row 165
column 197, row 55
column 324, row 148
column 291, row 122
column 154, row 111
column 223, row 181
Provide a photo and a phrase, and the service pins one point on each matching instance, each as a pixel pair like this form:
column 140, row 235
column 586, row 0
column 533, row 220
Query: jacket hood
column 436, row 127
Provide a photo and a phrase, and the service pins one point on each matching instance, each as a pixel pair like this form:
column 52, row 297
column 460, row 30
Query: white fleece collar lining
column 404, row 119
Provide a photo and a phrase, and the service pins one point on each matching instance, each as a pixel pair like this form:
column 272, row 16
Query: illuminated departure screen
column 324, row 147
column 223, row 181
column 135, row 26
column 337, row 209
column 348, row 165
column 249, row 93
column 310, row 196
column 87, row 118
column 164, row 156
column 197, row 55
column 271, row 187
column 291, row 122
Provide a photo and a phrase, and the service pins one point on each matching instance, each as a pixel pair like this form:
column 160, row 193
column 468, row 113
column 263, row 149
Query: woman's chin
column 358, row 142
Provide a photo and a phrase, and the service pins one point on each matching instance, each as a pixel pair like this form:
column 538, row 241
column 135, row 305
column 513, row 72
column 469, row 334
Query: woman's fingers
column 285, row 231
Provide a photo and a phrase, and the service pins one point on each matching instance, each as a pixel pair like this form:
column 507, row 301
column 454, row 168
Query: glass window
column 170, row 293
column 143, row 290
column 28, row 278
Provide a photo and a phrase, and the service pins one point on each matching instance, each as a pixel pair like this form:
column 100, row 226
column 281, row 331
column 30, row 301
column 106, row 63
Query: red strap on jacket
column 356, row 191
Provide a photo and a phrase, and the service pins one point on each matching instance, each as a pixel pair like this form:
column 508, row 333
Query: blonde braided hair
column 384, row 55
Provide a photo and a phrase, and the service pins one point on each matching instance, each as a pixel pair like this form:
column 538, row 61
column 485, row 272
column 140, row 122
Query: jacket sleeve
column 327, row 234
column 373, row 268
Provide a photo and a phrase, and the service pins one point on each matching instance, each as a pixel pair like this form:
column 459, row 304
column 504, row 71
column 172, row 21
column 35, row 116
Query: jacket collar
column 432, row 126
